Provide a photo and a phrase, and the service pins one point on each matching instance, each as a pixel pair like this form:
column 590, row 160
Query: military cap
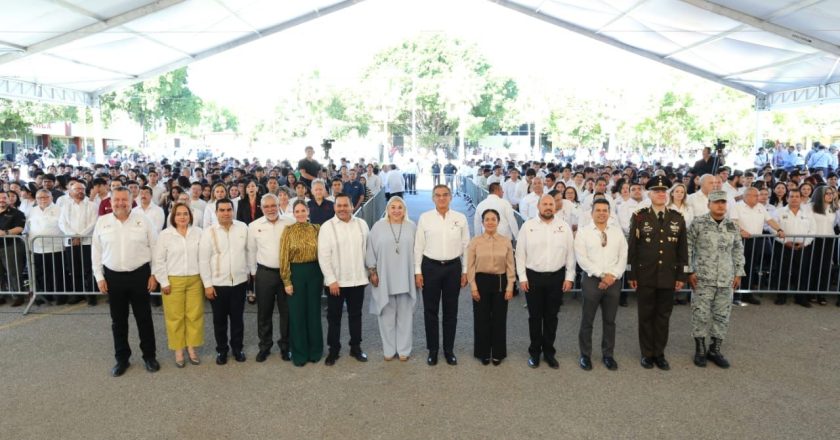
column 717, row 196
column 658, row 182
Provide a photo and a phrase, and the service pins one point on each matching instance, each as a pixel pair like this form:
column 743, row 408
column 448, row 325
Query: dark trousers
column 411, row 183
column 490, row 314
column 790, row 263
column 129, row 289
column 593, row 298
column 12, row 264
column 270, row 294
column 823, row 254
column 79, row 269
column 49, row 272
column 354, row 297
column 441, row 283
column 435, row 179
column 396, row 194
column 229, row 305
column 756, row 251
column 544, row 297
column 655, row 306
column 307, row 339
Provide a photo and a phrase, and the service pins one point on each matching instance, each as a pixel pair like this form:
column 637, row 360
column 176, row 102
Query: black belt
column 442, row 262
column 145, row 266
column 260, row 266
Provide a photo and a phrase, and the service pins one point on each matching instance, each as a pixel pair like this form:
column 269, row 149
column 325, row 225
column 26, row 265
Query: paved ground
column 784, row 383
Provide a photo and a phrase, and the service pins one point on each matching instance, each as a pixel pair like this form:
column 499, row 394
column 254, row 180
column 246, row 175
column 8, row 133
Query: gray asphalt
column 784, row 383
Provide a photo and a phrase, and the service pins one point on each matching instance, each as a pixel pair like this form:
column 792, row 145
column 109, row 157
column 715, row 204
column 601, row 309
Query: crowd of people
column 282, row 236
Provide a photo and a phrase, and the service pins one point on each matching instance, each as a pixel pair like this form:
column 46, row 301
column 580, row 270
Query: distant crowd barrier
column 371, row 211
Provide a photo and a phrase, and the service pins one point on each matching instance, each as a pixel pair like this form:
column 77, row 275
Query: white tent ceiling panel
column 759, row 46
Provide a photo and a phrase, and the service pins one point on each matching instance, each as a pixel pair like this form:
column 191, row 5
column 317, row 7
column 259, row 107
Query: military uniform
column 658, row 257
column 716, row 257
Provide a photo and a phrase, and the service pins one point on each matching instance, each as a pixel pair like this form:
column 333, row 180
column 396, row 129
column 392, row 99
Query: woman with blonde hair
column 218, row 192
column 175, row 266
column 390, row 263
column 676, row 200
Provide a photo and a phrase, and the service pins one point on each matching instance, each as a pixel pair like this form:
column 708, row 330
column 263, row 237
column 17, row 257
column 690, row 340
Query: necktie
column 661, row 216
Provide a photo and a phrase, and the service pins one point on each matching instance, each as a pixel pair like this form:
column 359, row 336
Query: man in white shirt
column 439, row 247
column 545, row 263
column 152, row 211
column 514, row 188
column 496, row 177
column 396, row 182
column 507, row 221
column 752, row 217
column 601, row 252
column 264, row 265
column 224, row 272
column 698, row 202
column 78, row 218
column 792, row 274
column 411, row 177
column 45, row 235
column 158, row 189
column 341, row 254
column 121, row 254
column 628, row 207
column 196, row 203
column 528, row 206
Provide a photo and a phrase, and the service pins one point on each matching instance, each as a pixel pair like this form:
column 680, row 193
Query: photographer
column 308, row 167
column 709, row 162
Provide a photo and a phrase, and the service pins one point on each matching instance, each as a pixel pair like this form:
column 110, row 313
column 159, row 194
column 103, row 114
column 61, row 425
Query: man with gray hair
column 42, row 229
column 264, row 265
column 320, row 209
column 698, row 202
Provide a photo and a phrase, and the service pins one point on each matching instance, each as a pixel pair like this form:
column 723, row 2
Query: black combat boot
column 700, row 352
column 715, row 356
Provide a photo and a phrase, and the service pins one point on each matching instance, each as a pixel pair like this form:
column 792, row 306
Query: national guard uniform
column 658, row 257
column 716, row 257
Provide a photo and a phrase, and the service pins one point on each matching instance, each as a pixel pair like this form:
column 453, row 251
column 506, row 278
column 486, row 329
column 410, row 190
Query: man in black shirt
column 12, row 250
column 309, row 167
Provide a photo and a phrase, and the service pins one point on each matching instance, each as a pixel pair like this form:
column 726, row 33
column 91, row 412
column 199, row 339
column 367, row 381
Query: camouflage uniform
column 716, row 257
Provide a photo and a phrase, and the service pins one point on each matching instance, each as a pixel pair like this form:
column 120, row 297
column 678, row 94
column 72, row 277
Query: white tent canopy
column 784, row 52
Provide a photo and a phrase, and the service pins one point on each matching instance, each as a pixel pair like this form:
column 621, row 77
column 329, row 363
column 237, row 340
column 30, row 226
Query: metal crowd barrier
column 769, row 265
column 62, row 267
column 372, row 210
column 14, row 266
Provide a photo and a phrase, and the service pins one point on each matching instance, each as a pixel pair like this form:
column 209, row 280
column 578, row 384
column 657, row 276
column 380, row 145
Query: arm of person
column 159, row 263
column 325, row 248
column 586, row 264
column 419, row 245
column 252, row 247
column 205, row 253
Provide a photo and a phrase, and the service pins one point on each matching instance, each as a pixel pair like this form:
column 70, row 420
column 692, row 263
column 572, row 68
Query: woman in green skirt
column 304, row 283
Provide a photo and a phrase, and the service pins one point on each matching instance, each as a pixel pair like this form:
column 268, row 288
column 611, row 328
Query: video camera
column 720, row 144
column 326, row 144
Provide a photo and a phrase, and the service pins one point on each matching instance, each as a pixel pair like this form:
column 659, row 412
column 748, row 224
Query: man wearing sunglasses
column 601, row 251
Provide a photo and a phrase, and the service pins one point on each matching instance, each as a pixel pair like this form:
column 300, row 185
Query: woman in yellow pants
column 176, row 268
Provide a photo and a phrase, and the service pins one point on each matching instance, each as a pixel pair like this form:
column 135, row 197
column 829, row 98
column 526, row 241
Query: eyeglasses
column 603, row 239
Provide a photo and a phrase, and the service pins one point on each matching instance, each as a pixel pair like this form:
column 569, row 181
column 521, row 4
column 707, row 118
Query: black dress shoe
column 497, row 362
column 359, row 355
column 74, row 300
column 622, row 303
column 585, row 363
column 119, row 369
column 805, row 304
column 610, row 363
column 485, row 361
column 263, row 355
column 661, row 363
column 17, row 302
column 433, row 358
column 286, row 355
column 750, row 299
column 152, row 365
column 450, row 358
column 92, row 301
column 533, row 361
column 552, row 362
column 239, row 356
column 330, row 360
column 221, row 358
column 646, row 362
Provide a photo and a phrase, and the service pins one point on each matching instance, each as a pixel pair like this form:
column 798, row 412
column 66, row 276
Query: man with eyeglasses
column 601, row 252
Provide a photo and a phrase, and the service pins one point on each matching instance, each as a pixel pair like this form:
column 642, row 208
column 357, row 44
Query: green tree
column 444, row 83
column 218, row 119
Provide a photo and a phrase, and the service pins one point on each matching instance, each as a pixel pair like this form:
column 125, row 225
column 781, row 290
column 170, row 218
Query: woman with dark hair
column 806, row 190
column 768, row 179
column 249, row 207
column 778, row 198
column 573, row 206
column 170, row 199
column 175, row 266
column 824, row 249
column 490, row 273
column 218, row 192
column 303, row 283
